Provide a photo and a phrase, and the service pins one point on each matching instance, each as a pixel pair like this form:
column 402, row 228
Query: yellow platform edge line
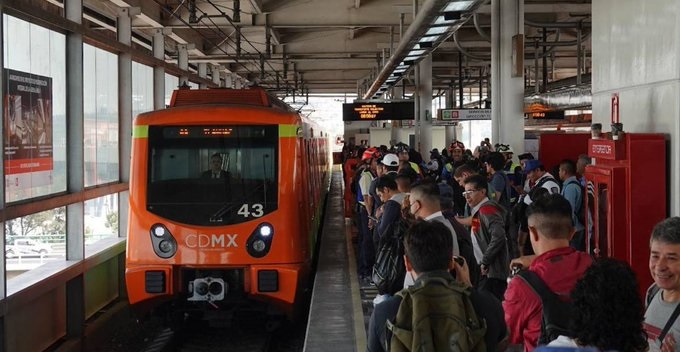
column 359, row 330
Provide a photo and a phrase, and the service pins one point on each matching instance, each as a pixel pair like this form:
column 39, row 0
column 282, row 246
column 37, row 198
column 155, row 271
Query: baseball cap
column 390, row 160
column 369, row 153
column 531, row 165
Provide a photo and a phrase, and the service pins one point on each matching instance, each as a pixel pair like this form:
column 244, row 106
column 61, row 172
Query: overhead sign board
column 463, row 114
column 401, row 110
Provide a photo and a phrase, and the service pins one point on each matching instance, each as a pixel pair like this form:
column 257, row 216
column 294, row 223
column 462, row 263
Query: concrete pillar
column 229, row 80
column 158, row 42
column 507, row 92
column 424, row 87
column 183, row 62
column 203, row 73
column 75, row 229
column 396, row 125
column 449, row 131
column 216, row 75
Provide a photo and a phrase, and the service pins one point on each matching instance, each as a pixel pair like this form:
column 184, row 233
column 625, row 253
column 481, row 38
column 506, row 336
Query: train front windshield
column 212, row 175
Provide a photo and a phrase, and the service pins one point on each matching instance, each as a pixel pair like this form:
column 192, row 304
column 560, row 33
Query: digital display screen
column 548, row 115
column 402, row 110
column 188, row 132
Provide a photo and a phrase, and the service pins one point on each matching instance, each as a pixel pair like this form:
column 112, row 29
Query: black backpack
column 557, row 312
column 389, row 270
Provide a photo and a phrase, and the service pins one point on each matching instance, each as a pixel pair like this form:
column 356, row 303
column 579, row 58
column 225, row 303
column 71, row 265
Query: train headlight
column 259, row 242
column 258, row 245
column 164, row 245
column 158, row 231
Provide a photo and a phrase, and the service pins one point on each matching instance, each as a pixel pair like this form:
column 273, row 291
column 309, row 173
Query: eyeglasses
column 469, row 193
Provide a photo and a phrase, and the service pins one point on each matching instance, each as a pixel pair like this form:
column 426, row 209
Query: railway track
column 248, row 334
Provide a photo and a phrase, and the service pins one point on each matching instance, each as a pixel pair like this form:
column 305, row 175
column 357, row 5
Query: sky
column 325, row 111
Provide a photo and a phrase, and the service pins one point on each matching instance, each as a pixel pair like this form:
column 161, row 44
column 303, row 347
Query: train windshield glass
column 212, row 175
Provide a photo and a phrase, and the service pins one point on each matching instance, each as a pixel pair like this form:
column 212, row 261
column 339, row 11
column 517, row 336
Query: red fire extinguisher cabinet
column 628, row 187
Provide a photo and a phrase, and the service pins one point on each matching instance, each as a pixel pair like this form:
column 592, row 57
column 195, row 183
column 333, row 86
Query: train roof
column 254, row 96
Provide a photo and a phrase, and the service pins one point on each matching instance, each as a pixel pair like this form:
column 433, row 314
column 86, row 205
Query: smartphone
column 459, row 260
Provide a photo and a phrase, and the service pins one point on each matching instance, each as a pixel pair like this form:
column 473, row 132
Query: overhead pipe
column 555, row 24
column 421, row 23
column 464, row 51
column 552, row 45
column 564, row 99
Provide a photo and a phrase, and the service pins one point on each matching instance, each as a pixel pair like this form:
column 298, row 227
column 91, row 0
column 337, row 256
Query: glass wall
column 473, row 132
column 171, row 83
column 35, row 119
column 142, row 88
column 100, row 104
column 101, row 218
column 33, row 240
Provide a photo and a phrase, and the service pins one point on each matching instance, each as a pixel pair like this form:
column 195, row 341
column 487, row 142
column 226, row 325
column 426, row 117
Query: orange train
column 214, row 240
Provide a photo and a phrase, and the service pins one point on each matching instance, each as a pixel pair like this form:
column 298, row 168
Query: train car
column 226, row 191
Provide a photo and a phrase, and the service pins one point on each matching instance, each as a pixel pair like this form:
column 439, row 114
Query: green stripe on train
column 141, row 131
column 290, row 131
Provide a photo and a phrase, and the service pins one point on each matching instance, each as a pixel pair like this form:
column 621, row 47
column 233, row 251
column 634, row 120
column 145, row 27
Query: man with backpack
column 537, row 179
column 438, row 313
column 555, row 264
column 573, row 192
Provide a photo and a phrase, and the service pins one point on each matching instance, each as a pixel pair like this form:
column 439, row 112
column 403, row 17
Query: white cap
column 390, row 160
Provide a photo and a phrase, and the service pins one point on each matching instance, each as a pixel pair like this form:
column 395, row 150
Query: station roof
column 337, row 46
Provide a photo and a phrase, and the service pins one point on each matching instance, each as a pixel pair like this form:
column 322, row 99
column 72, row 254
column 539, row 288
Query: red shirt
column 559, row 269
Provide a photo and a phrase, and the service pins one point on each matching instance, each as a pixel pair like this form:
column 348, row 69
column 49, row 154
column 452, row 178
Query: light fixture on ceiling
column 434, row 23
column 458, row 6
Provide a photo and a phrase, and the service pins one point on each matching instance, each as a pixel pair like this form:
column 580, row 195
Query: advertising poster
column 27, row 119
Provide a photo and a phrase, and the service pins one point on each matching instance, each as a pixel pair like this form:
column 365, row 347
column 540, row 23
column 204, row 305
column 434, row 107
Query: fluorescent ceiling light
column 416, row 52
column 399, row 70
column 458, row 6
column 435, row 31
column 440, row 20
column 430, row 38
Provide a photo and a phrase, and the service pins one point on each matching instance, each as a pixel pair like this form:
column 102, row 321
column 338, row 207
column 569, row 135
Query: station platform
column 340, row 307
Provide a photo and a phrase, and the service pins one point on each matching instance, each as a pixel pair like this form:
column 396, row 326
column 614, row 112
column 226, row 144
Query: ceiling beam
column 547, row 8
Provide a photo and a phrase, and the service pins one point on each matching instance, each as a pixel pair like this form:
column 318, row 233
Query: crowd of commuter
column 502, row 246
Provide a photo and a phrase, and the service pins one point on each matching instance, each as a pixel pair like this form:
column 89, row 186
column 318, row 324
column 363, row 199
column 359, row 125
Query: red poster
column 27, row 119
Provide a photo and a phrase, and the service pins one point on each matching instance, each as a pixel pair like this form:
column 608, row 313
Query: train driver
column 215, row 171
